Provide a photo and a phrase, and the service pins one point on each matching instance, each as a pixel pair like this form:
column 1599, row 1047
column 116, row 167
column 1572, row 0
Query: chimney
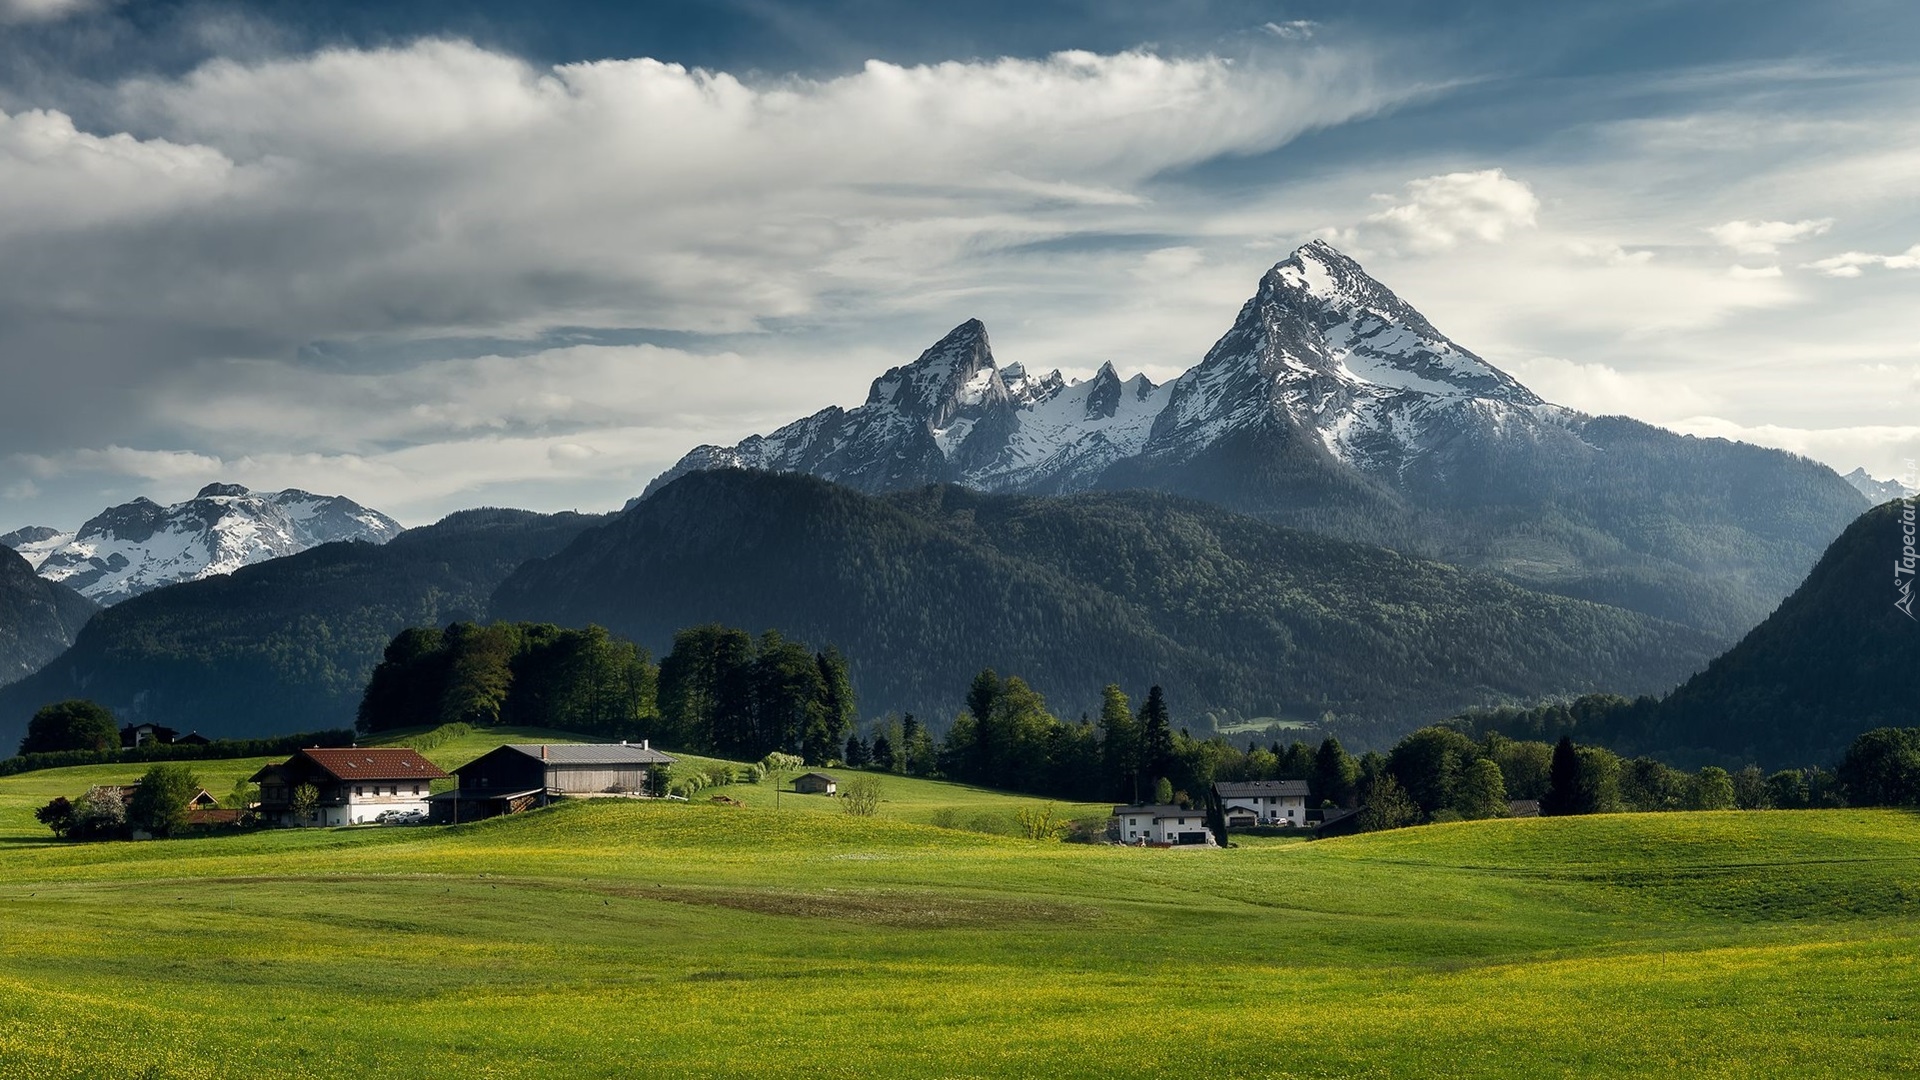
column 543, row 753
column 643, row 744
column 623, row 742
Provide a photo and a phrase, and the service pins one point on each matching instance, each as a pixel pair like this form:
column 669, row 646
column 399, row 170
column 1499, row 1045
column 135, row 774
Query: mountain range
column 1877, row 490
column 1334, row 406
column 139, row 546
column 284, row 645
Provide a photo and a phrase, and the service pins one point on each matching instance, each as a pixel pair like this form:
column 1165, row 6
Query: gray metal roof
column 593, row 753
column 1249, row 788
column 1158, row 812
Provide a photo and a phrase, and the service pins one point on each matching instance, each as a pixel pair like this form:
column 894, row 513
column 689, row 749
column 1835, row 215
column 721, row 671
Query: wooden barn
column 520, row 776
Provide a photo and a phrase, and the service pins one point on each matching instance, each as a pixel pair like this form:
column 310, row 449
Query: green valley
column 612, row 937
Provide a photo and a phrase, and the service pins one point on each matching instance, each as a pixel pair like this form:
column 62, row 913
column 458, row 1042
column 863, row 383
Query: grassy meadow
column 613, row 938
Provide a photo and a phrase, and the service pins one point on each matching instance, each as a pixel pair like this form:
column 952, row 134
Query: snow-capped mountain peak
column 1876, row 489
column 1320, row 348
column 140, row 545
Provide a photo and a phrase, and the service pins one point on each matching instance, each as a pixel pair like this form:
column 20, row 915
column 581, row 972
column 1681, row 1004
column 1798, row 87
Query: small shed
column 1523, row 808
column 816, row 783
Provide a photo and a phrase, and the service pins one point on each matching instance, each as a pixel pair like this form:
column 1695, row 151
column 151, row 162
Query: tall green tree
column 1388, row 806
column 408, row 684
column 1335, row 774
column 1120, row 744
column 74, row 724
column 159, row 803
column 1483, row 791
column 1599, row 791
column 481, row 673
column 1563, row 781
column 1882, row 768
column 1429, row 764
column 1156, row 735
column 1712, row 789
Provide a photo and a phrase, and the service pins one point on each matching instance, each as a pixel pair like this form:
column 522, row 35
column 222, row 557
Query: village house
column 1263, row 802
column 815, row 783
column 520, row 776
column 146, row 735
column 355, row 785
column 1160, row 825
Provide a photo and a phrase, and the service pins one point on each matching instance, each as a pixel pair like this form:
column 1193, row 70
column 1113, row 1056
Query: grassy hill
column 616, row 938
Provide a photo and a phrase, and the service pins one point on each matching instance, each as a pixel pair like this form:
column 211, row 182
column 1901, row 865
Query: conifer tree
column 1119, row 744
column 1156, row 736
column 1563, row 780
column 1335, row 773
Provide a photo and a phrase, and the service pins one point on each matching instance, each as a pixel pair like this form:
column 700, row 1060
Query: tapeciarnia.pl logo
column 1903, row 567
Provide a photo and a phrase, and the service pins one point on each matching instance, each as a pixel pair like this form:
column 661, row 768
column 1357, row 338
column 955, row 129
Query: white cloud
column 444, row 188
column 1439, row 212
column 1292, row 29
column 1849, row 264
column 25, row 11
column 54, row 177
column 1766, row 237
column 1606, row 391
column 1882, row 449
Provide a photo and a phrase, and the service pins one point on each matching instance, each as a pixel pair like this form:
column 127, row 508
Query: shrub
column 101, row 813
column 860, row 796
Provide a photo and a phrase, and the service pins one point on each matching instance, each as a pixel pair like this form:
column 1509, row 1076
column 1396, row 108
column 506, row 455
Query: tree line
column 720, row 690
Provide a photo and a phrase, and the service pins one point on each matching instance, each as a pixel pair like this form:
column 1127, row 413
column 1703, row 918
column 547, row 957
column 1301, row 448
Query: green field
column 617, row 938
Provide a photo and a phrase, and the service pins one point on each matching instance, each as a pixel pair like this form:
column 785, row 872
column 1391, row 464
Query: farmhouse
column 1263, row 802
column 355, row 785
column 1160, row 825
column 520, row 776
column 815, row 783
column 146, row 734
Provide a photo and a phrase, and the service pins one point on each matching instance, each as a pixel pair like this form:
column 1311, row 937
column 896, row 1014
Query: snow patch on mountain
column 140, row 546
column 1320, row 347
column 1876, row 490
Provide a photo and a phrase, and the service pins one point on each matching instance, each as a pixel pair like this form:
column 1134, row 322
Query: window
column 357, row 791
column 416, row 789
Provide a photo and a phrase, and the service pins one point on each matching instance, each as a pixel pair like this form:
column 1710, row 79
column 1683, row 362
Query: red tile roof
column 378, row 763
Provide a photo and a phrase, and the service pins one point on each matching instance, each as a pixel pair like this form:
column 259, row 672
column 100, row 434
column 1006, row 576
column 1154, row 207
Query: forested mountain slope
column 38, row 618
column 1837, row 659
column 922, row 589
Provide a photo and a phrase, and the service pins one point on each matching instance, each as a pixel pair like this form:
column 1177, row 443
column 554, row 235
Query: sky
column 434, row 255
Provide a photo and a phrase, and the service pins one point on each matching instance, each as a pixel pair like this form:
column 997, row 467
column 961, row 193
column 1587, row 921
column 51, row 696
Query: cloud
column 1292, row 29
column 1850, row 264
column 1752, row 273
column 1882, row 449
column 28, row 11
column 1437, row 213
column 1606, row 391
column 1766, row 237
column 440, row 188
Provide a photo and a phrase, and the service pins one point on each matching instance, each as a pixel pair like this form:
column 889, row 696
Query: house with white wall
column 354, row 785
column 1160, row 825
column 1263, row 802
